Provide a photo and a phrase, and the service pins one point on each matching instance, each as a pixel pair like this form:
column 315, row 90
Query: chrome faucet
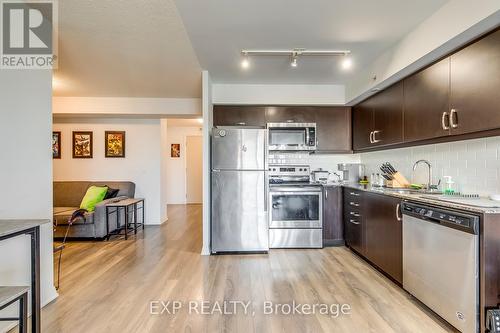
column 429, row 182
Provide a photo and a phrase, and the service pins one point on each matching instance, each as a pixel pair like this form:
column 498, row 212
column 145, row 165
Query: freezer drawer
column 295, row 238
column 239, row 217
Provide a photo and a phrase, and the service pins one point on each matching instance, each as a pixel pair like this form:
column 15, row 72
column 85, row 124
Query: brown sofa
column 67, row 198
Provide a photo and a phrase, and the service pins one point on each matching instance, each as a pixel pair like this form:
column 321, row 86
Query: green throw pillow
column 94, row 195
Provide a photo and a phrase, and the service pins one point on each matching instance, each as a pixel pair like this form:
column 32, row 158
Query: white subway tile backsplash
column 473, row 164
column 315, row 161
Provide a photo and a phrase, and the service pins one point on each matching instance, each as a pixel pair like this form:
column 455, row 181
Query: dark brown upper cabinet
column 290, row 114
column 362, row 125
column 427, row 103
column 238, row 115
column 475, row 86
column 333, row 125
column 379, row 120
column 388, row 116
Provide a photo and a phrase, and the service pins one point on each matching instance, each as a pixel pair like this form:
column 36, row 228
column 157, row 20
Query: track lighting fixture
column 294, row 55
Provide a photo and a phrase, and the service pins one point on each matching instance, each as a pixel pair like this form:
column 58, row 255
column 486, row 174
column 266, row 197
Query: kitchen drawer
column 353, row 204
column 353, row 214
column 351, row 193
column 295, row 238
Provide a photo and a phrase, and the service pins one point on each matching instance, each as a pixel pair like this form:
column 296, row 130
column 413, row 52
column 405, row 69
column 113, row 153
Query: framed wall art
column 82, row 144
column 114, row 143
column 175, row 150
column 56, row 144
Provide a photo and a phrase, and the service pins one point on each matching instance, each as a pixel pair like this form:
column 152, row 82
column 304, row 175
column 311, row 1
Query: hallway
column 108, row 287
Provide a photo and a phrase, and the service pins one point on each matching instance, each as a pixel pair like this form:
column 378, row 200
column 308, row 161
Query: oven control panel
column 283, row 174
column 289, row 170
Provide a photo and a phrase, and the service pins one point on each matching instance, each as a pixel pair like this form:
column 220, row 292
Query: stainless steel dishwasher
column 441, row 262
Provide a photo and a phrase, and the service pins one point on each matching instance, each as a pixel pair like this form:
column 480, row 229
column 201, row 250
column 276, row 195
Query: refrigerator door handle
column 266, row 191
column 266, row 167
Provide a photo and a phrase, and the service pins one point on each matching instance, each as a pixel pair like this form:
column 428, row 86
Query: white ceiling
column 124, row 48
column 219, row 29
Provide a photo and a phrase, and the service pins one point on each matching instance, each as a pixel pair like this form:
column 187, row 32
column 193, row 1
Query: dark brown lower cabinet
column 372, row 227
column 354, row 233
column 333, row 228
column 384, row 233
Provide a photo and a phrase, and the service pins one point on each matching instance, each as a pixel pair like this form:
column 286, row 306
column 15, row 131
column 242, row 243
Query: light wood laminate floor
column 108, row 286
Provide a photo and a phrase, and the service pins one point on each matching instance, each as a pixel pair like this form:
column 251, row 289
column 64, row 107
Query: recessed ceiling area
column 220, row 29
column 124, row 48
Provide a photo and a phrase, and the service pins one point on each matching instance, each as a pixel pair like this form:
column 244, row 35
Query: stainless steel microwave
column 292, row 136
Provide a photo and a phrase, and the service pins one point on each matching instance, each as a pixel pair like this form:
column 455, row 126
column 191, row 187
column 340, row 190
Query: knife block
column 398, row 181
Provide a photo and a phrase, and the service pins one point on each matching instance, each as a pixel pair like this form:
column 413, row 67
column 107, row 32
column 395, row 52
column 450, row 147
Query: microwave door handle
column 307, row 136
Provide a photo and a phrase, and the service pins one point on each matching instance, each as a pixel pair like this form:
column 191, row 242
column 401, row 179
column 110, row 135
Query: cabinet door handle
column 443, row 121
column 398, row 212
column 354, row 222
column 354, row 193
column 354, row 204
column 242, row 123
column 371, row 137
column 326, row 194
column 354, row 214
column 375, row 140
column 453, row 116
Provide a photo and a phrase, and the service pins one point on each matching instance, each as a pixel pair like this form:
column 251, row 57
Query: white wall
column 290, row 94
column 127, row 106
column 207, row 108
column 26, row 172
column 165, row 153
column 176, row 167
column 141, row 164
column 473, row 164
column 453, row 25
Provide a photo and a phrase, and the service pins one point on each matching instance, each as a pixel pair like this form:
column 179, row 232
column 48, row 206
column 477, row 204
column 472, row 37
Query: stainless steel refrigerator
column 239, row 190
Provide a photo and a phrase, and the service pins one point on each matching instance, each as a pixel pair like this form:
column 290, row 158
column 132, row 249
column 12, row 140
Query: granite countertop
column 8, row 227
column 421, row 198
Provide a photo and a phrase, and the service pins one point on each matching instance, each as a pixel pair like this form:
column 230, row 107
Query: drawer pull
column 354, row 222
column 354, row 204
column 355, row 194
column 354, row 214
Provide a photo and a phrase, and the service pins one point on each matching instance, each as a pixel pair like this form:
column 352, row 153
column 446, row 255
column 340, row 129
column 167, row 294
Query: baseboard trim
column 333, row 242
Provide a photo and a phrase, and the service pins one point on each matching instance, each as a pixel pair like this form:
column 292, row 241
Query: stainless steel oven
column 295, row 216
column 292, row 136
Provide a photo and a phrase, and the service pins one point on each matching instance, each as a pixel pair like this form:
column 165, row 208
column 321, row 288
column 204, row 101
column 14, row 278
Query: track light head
column 245, row 63
column 346, row 62
column 293, row 62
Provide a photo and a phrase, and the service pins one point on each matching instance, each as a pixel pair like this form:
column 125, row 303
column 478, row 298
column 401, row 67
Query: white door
column 194, row 164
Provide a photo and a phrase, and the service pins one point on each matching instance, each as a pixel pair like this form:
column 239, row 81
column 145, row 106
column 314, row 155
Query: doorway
column 194, row 172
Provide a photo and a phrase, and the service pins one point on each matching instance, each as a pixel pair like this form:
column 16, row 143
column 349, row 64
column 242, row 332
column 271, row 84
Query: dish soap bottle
column 448, row 185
